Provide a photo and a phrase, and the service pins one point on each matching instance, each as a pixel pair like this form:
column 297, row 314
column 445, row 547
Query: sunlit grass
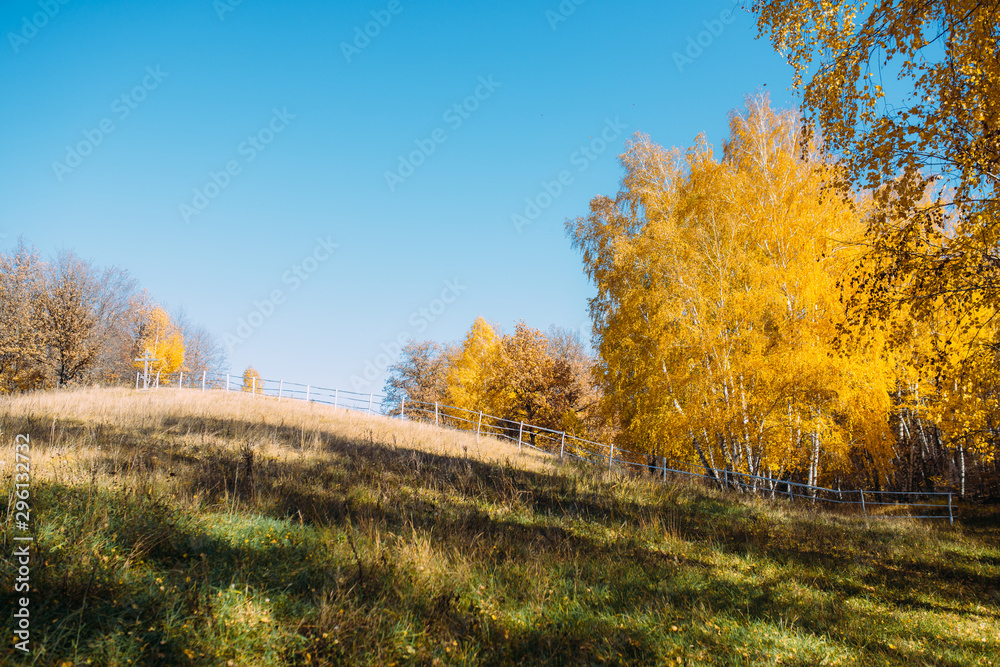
column 178, row 528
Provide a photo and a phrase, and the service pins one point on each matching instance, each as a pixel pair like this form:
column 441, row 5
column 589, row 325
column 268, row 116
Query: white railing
column 369, row 403
column 565, row 445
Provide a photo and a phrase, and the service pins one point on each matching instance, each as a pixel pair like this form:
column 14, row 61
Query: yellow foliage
column 717, row 304
column 468, row 371
column 161, row 340
column 931, row 155
column 252, row 381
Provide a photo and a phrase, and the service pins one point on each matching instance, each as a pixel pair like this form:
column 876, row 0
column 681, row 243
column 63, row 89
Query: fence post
column 335, row 398
column 864, row 510
column 725, row 477
column 664, row 468
column 562, row 445
column 370, row 398
column 137, row 379
column 435, row 413
column 281, row 383
column 253, row 385
column 203, row 373
column 227, row 381
column 307, row 393
column 157, row 379
column 951, row 516
column 611, row 455
column 402, row 408
column 479, row 425
column 180, row 380
column 520, row 432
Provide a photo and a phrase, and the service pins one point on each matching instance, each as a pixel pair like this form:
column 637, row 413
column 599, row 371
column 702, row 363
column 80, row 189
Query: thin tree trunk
column 709, row 470
column 961, row 462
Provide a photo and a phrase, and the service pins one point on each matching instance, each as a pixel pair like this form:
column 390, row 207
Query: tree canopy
column 717, row 304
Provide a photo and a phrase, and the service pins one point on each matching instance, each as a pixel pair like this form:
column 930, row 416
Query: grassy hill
column 178, row 528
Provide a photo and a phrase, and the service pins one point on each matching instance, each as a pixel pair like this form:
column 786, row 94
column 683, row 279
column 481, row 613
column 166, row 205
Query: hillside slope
column 177, row 528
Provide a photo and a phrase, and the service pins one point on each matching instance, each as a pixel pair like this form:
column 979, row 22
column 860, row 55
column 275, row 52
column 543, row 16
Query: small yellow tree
column 252, row 382
column 468, row 371
column 160, row 340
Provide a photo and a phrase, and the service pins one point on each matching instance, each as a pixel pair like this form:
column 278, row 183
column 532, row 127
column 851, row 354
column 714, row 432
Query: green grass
column 277, row 535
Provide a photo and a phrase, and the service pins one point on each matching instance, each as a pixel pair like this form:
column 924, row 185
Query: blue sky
column 229, row 152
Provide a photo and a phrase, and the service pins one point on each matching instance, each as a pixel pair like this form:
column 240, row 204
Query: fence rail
column 568, row 446
column 369, row 403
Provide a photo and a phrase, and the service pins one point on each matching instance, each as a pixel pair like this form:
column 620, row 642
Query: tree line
column 819, row 301
column 733, row 328
column 66, row 322
column 540, row 378
column 729, row 320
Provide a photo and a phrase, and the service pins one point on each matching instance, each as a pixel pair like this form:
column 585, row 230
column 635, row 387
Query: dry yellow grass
column 49, row 417
column 184, row 528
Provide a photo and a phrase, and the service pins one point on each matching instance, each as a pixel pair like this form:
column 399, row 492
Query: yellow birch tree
column 717, row 304
column 159, row 338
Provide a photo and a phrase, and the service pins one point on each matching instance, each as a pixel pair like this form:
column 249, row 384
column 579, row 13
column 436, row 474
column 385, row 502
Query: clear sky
column 227, row 152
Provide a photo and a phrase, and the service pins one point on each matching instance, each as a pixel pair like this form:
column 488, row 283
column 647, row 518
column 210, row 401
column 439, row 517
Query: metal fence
column 279, row 389
column 872, row 504
column 566, row 446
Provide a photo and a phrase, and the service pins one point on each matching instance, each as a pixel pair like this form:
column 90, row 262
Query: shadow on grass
column 583, row 531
